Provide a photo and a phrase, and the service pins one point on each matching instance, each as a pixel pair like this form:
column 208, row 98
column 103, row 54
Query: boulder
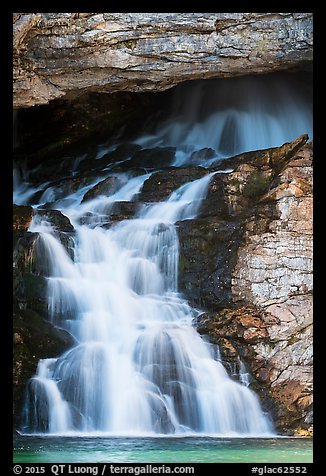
column 106, row 187
column 57, row 219
column 158, row 157
column 159, row 186
column 202, row 155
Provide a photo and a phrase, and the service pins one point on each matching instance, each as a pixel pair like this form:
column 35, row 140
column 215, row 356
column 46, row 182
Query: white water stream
column 232, row 116
column 139, row 367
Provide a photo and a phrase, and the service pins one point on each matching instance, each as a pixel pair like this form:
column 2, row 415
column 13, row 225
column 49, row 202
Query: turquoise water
column 47, row 449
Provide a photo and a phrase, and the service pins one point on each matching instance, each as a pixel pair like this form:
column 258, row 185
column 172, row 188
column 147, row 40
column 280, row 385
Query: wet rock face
column 58, row 54
column 259, row 255
column 241, row 205
column 34, row 337
column 57, row 219
column 207, row 256
column 274, row 271
column 276, row 263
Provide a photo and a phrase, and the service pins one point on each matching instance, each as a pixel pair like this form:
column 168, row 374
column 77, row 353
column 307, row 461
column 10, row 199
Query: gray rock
column 60, row 53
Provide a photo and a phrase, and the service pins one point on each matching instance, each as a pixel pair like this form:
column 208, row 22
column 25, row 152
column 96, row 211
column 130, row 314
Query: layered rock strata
column 66, row 54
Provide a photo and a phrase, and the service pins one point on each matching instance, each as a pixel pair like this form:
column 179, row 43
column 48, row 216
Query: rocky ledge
column 66, row 54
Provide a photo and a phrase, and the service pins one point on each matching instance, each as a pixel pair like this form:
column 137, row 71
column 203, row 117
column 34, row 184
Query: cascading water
column 236, row 115
column 138, row 366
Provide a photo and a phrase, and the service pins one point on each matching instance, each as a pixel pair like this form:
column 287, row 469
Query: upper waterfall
column 231, row 116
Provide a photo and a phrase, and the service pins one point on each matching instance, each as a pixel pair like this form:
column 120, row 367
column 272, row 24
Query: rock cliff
column 255, row 278
column 66, row 54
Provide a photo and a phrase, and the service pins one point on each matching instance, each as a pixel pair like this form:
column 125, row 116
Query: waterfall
column 138, row 367
column 230, row 116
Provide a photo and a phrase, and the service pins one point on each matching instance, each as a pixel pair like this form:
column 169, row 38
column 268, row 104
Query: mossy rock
column 22, row 217
column 57, row 219
column 257, row 184
column 106, row 187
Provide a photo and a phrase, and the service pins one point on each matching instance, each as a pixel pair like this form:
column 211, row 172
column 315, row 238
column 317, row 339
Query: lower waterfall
column 138, row 366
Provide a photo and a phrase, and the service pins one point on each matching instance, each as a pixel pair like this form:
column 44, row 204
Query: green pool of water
column 30, row 449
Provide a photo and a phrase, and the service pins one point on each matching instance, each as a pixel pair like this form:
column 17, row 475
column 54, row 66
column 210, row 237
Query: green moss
column 257, row 184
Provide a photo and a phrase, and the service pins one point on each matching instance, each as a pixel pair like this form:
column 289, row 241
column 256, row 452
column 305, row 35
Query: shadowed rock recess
column 245, row 261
